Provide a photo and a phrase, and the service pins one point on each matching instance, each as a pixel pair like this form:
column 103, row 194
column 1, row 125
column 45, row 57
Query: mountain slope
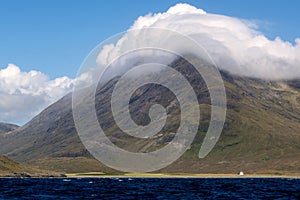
column 261, row 133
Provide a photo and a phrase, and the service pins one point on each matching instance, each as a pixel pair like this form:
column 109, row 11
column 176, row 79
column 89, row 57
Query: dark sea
column 149, row 188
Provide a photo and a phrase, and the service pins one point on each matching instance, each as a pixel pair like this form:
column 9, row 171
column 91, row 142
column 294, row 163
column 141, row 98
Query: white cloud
column 25, row 94
column 235, row 44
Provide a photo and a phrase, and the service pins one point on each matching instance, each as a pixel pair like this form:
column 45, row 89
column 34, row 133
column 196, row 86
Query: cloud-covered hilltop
column 236, row 45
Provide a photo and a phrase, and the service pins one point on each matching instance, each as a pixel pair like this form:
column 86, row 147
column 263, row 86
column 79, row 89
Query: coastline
column 163, row 175
column 148, row 175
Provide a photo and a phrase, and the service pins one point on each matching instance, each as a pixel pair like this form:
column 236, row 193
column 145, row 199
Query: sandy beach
column 162, row 175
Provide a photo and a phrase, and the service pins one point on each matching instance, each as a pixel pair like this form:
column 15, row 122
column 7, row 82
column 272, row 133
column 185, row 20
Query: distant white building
column 241, row 173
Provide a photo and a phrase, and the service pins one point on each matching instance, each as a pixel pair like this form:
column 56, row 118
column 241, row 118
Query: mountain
column 261, row 132
column 5, row 127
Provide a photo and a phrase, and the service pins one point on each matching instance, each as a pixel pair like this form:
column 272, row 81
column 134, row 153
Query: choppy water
column 149, row 188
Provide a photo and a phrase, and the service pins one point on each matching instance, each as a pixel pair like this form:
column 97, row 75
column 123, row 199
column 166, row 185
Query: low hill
column 10, row 168
column 5, row 127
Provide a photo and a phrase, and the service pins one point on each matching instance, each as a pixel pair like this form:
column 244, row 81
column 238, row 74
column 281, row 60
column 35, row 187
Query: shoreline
column 148, row 175
column 162, row 175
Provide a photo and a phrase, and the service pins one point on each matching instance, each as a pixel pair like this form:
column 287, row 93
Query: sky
column 44, row 42
column 55, row 36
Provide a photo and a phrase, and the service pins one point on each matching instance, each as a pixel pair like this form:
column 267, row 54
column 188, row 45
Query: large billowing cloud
column 236, row 45
column 24, row 94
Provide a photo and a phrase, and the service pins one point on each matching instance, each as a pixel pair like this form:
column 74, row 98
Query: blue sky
column 55, row 36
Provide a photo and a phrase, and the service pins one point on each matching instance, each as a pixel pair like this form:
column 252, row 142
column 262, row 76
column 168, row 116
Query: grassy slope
column 261, row 133
column 10, row 168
